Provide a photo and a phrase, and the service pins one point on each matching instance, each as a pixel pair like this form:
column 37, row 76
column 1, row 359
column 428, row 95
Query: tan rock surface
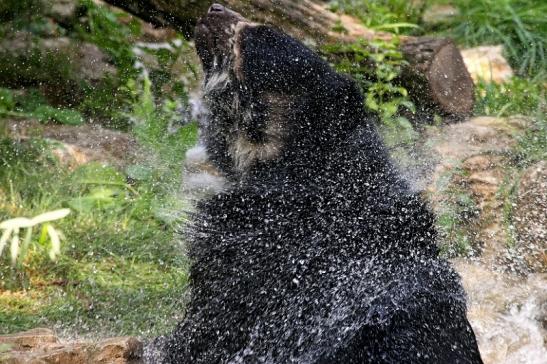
column 42, row 346
column 506, row 305
column 530, row 217
column 80, row 144
column 487, row 63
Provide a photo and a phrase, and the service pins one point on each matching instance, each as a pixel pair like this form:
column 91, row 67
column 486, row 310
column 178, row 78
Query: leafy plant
column 18, row 248
column 7, row 102
column 160, row 127
column 104, row 27
column 375, row 65
column 46, row 113
column 103, row 187
column 173, row 57
column 122, row 252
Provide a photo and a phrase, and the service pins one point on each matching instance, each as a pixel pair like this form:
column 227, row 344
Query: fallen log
column 436, row 76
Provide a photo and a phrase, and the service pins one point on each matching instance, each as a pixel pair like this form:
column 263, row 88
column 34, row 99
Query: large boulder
column 530, row 217
column 77, row 145
column 42, row 346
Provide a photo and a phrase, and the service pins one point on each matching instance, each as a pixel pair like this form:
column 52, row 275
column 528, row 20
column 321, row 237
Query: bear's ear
column 270, row 60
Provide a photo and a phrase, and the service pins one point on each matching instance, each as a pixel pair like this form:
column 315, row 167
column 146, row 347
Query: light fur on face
column 235, row 42
column 244, row 152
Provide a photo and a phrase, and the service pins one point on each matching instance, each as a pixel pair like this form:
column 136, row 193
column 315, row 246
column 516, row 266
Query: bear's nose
column 216, row 8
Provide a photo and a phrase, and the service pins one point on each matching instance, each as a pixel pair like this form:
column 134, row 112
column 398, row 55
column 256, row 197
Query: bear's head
column 272, row 101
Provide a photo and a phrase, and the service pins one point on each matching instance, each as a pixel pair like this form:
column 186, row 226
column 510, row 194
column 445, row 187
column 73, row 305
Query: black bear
column 317, row 250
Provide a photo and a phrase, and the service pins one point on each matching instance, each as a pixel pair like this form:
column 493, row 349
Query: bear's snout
column 216, row 8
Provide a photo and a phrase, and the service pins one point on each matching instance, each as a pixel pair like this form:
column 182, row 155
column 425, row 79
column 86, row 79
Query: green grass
column 518, row 96
column 519, row 25
column 122, row 270
column 398, row 16
column 120, row 264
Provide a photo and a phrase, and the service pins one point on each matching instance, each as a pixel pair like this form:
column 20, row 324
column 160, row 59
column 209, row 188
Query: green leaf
column 46, row 113
column 98, row 198
column 371, row 102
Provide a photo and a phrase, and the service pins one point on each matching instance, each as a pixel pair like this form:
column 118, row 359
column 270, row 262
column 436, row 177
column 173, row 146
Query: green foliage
column 119, row 270
column 116, row 33
column 398, row 16
column 46, row 113
column 19, row 9
column 155, row 126
column 117, row 253
column 173, row 57
column 109, row 30
column 53, row 70
column 15, row 157
column 104, row 28
column 375, row 65
column 518, row 96
column 507, row 194
column 102, row 188
column 120, row 267
column 520, row 25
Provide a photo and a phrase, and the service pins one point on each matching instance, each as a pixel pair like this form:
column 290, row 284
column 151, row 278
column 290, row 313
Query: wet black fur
column 323, row 254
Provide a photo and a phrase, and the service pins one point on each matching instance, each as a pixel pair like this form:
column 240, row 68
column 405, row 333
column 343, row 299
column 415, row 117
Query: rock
column 487, row 63
column 41, row 346
column 118, row 350
column 454, row 143
column 30, row 339
column 506, row 312
column 62, row 11
column 151, row 33
column 479, row 135
column 81, row 144
column 93, row 63
column 506, row 305
column 472, row 159
column 530, row 217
